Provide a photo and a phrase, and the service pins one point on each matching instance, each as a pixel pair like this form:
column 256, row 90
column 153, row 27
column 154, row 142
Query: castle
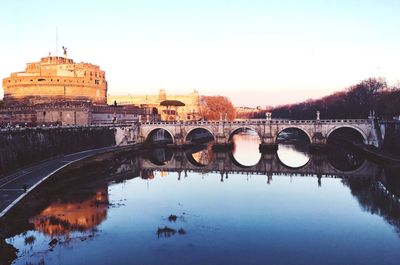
column 53, row 79
column 58, row 91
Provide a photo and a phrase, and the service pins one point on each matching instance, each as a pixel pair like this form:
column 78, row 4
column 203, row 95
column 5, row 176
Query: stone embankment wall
column 26, row 146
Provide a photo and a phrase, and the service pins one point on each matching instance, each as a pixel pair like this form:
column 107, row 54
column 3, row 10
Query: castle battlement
column 54, row 78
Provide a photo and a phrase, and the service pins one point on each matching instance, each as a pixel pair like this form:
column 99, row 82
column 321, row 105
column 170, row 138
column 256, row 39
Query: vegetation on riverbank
column 215, row 107
column 354, row 102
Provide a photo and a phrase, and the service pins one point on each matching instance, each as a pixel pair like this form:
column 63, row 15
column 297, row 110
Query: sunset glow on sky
column 255, row 52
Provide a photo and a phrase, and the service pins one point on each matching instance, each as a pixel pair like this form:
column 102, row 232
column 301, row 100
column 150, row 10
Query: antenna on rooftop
column 56, row 40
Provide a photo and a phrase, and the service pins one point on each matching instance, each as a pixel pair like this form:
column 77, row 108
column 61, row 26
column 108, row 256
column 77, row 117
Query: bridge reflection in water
column 110, row 194
column 289, row 160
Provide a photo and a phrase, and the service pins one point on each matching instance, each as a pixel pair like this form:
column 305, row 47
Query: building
column 249, row 112
column 72, row 113
column 58, row 91
column 53, row 79
column 120, row 114
column 190, row 111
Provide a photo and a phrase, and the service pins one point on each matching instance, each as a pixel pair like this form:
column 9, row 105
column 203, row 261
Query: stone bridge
column 318, row 131
column 269, row 164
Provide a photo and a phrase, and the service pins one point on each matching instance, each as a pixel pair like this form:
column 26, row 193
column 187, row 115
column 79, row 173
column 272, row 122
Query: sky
column 257, row 53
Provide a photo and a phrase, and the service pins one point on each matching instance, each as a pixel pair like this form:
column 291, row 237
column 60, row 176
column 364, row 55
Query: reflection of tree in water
column 75, row 199
column 204, row 156
column 147, row 174
column 344, row 159
column 374, row 198
column 160, row 156
column 62, row 218
column 165, row 232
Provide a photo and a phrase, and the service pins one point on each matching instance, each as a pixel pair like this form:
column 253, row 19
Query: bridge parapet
column 261, row 121
column 317, row 131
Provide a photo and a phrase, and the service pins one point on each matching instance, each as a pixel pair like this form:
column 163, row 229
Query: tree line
column 215, row 107
column 355, row 102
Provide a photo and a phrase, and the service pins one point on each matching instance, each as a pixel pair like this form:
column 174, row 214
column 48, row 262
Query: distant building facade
column 72, row 113
column 248, row 112
column 57, row 91
column 191, row 110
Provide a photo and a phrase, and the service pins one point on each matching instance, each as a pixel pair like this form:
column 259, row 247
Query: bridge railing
column 261, row 121
column 197, row 123
column 51, row 127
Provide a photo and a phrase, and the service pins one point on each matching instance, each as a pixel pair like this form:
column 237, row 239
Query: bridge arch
column 198, row 128
column 234, row 130
column 360, row 131
column 154, row 130
column 294, row 127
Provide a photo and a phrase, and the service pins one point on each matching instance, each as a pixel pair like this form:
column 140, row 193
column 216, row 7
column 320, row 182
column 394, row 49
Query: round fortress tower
column 56, row 79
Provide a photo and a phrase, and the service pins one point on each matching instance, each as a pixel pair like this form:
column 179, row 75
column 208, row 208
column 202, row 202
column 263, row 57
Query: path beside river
column 15, row 186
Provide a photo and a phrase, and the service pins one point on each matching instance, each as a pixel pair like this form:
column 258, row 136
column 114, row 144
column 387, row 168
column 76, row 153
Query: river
column 201, row 207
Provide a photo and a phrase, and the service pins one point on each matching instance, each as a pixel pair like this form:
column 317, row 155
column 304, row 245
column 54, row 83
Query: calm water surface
column 292, row 214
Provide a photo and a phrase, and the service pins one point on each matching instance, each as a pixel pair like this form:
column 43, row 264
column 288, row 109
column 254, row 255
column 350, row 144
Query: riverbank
column 16, row 186
column 71, row 182
column 22, row 148
column 378, row 154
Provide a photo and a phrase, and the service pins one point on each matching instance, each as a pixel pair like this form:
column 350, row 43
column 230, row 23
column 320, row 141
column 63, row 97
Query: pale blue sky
column 272, row 51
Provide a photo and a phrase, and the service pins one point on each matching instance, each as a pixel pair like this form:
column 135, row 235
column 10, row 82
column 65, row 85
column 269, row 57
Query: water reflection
column 293, row 155
column 345, row 159
column 62, row 218
column 160, row 156
column 201, row 156
column 143, row 219
column 246, row 157
column 246, row 148
column 374, row 196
